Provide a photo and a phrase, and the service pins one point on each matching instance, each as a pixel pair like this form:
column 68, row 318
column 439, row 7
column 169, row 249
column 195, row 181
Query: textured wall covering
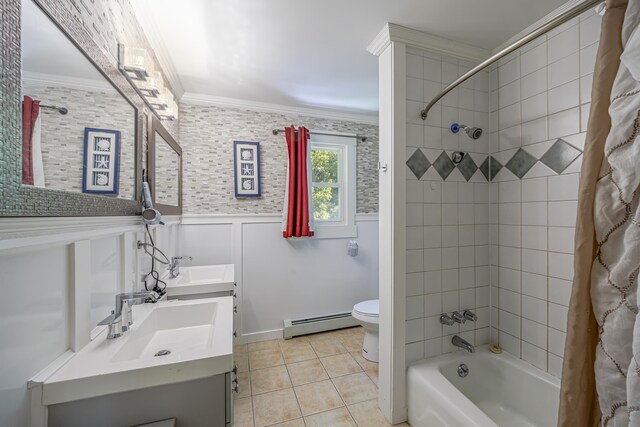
column 63, row 135
column 207, row 134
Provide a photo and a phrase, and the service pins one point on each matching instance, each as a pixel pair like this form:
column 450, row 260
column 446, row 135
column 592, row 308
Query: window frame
column 345, row 227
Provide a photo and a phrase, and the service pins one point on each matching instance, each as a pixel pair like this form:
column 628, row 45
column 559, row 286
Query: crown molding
column 154, row 37
column 32, row 79
column 425, row 41
column 540, row 22
column 219, row 101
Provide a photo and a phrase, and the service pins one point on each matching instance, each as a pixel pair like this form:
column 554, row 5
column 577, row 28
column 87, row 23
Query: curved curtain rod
column 358, row 137
column 555, row 22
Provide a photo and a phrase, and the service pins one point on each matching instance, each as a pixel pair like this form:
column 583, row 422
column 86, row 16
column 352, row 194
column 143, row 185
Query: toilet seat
column 370, row 308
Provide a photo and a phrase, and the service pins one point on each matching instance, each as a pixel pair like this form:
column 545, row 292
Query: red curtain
column 30, row 111
column 297, row 212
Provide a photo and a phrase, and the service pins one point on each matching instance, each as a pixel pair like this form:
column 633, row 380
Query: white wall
column 281, row 278
column 540, row 93
column 59, row 278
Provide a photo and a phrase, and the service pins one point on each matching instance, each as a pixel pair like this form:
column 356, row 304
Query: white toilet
column 367, row 314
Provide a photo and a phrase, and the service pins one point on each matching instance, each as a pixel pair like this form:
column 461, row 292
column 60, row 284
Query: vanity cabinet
column 206, row 402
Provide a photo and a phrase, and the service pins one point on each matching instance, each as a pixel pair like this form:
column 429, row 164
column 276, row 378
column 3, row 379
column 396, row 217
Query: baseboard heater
column 310, row 325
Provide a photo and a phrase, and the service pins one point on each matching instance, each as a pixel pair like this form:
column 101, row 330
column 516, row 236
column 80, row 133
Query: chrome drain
column 162, row 353
column 463, row 370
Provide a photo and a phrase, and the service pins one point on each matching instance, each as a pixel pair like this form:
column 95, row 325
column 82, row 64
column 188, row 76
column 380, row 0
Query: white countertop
column 203, row 279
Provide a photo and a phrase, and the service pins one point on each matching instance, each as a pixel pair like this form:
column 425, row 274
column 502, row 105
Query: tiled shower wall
column 540, row 101
column 447, row 207
column 523, row 200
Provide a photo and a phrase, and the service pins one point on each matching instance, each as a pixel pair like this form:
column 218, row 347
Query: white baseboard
column 259, row 336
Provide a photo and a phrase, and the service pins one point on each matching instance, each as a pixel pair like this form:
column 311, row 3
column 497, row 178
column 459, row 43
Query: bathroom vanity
column 176, row 361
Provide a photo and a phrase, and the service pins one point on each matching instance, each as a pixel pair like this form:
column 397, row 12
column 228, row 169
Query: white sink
column 197, row 335
column 202, row 280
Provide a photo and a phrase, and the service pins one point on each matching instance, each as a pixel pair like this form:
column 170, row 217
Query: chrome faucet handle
column 446, row 320
column 457, row 317
column 174, row 258
column 470, row 315
column 114, row 321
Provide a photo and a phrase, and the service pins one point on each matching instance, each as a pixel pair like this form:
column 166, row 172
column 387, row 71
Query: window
column 333, row 181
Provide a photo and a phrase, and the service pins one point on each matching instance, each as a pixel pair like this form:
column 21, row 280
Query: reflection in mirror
column 78, row 130
column 167, row 173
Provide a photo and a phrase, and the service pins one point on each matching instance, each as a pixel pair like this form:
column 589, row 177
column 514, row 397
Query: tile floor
column 318, row 380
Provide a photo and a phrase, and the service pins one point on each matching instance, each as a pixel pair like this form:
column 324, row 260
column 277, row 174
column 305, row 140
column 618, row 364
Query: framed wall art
column 101, row 161
column 246, row 156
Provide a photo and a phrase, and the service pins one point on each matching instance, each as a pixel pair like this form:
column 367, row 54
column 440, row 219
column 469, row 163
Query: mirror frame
column 27, row 201
column 155, row 125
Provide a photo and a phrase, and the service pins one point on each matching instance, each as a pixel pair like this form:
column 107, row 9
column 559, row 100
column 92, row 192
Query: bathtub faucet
column 462, row 343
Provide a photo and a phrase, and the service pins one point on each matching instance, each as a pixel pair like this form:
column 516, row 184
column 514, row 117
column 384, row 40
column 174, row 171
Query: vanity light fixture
column 137, row 65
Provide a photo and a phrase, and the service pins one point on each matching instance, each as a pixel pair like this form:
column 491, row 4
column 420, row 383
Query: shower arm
column 555, row 22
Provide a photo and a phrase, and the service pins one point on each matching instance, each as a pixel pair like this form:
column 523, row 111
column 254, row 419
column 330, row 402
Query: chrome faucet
column 120, row 319
column 470, row 315
column 462, row 343
column 446, row 320
column 174, row 266
column 457, row 317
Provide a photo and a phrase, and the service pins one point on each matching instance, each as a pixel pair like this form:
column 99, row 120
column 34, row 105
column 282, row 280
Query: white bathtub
column 499, row 390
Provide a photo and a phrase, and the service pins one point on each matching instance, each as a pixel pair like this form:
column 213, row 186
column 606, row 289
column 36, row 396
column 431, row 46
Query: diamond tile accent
column 418, row 163
column 443, row 165
column 467, row 167
column 520, row 163
column 560, row 155
column 490, row 168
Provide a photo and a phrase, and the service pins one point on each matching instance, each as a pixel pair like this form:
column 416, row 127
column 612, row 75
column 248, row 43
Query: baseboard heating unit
column 310, row 325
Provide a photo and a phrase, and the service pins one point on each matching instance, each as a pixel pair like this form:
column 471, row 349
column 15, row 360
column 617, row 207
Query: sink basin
column 169, row 342
column 171, row 332
column 203, row 279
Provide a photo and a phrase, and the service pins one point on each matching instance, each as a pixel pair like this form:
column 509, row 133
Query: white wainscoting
column 58, row 278
column 281, row 278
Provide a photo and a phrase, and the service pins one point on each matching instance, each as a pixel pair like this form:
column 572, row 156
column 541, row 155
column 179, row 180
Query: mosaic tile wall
column 167, row 174
column 540, row 103
column 207, row 134
column 63, row 135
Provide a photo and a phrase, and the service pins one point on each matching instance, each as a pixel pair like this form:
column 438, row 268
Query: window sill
column 335, row 231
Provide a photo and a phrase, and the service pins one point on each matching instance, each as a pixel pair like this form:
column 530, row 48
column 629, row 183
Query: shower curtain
column 32, row 165
column 600, row 381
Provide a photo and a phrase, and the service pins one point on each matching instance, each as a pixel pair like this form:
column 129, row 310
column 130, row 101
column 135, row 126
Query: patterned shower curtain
column 614, row 276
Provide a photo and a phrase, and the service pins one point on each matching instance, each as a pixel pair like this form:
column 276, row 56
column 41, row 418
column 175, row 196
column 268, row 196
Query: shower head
column 472, row 132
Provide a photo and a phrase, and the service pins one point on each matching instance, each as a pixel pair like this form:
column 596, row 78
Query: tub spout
column 462, row 343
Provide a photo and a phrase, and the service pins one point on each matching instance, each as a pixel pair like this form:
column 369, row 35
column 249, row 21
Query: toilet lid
column 369, row 308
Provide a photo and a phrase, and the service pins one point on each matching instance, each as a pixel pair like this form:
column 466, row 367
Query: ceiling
column 304, row 53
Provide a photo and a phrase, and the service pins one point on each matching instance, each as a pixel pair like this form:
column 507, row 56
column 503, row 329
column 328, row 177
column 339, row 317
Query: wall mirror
column 73, row 134
column 165, row 169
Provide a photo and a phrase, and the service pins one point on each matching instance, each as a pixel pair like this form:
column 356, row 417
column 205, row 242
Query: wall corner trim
column 425, row 41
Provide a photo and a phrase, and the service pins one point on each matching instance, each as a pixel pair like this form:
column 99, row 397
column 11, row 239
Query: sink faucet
column 462, row 343
column 174, row 266
column 120, row 319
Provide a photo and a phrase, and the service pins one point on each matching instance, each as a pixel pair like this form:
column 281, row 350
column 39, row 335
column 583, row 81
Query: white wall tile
column 590, row 30
column 432, row 236
column 534, row 59
column 534, row 189
column 534, row 309
column 414, row 238
column 509, row 235
column 450, row 280
column 563, row 214
column 414, row 89
column 415, row 283
column 432, row 259
column 534, row 213
column 432, row 305
column 414, row 330
column 468, row 300
column 414, row 213
column 414, row 66
column 564, row 44
column 509, row 94
column 534, row 83
column 450, row 301
column 413, row 352
column 534, row 131
column 561, row 239
column 564, row 187
column 414, row 261
column 555, row 365
column 564, row 123
column 509, row 72
column 534, row 355
column 414, row 307
column 449, row 72
column 534, row 237
column 534, row 261
column 509, row 301
column 558, row 317
column 509, row 257
column 559, row 291
column 509, row 323
column 557, row 341
column 433, row 282
column 563, row 71
column 564, row 97
column 509, row 343
column 432, row 214
column 561, row 265
column 467, row 256
column 534, row 333
column 509, row 213
column 432, row 70
column 586, row 83
column 534, row 285
column 588, row 59
column 534, row 107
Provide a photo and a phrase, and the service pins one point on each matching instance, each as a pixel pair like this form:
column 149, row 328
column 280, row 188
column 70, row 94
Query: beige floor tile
column 263, row 345
column 240, row 349
column 298, row 352
column 243, row 412
column 352, row 343
column 328, row 347
column 365, row 364
column 355, row 388
column 367, row 414
column 335, row 418
column 242, row 362
column 322, row 336
column 340, row 364
column 265, row 359
column 269, row 379
column 373, row 376
column 244, row 385
column 275, row 407
column 293, row 423
column 306, row 372
column 318, row 397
